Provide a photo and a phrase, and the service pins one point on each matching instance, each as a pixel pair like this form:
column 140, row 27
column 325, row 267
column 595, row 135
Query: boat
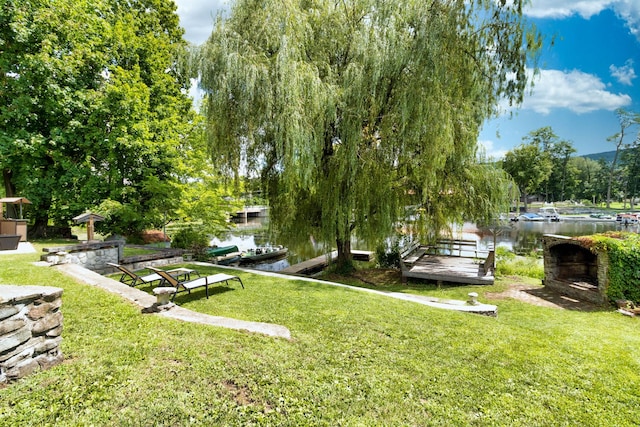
column 262, row 252
column 550, row 213
column 224, row 254
column 530, row 216
column 221, row 250
column 627, row 218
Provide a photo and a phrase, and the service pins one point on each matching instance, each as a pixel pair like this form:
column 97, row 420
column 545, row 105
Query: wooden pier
column 430, row 263
column 318, row 263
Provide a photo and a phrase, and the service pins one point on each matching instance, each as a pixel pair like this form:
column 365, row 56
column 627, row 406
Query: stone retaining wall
column 30, row 330
column 96, row 256
column 93, row 256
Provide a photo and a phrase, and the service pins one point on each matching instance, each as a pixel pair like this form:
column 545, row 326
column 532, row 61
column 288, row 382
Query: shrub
column 191, row 239
column 154, row 236
column 388, row 258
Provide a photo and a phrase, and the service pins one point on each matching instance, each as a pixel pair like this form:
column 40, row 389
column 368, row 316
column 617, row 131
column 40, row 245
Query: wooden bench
column 454, row 245
column 201, row 282
column 411, row 254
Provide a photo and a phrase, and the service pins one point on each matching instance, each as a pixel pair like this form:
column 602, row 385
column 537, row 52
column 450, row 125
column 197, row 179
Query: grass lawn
column 355, row 359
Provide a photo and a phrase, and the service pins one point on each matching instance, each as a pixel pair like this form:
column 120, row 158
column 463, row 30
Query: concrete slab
column 23, row 248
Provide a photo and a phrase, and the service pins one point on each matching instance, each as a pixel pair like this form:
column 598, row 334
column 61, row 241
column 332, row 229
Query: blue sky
column 591, row 69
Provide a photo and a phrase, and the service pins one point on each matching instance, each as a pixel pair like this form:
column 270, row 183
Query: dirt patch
column 541, row 296
column 379, row 276
column 529, row 293
column 240, row 394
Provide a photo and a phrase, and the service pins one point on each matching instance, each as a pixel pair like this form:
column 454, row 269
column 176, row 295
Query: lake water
column 521, row 237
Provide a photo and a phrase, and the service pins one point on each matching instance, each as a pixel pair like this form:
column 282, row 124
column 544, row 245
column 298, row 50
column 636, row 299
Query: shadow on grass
column 565, row 302
column 200, row 293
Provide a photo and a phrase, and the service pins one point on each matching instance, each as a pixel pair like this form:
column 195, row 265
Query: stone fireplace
column 572, row 269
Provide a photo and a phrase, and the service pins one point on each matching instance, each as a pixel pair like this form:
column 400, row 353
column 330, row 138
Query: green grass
column 131, row 251
column 509, row 264
column 355, row 359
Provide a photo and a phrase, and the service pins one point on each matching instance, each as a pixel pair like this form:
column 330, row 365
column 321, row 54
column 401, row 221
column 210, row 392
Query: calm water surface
column 521, row 237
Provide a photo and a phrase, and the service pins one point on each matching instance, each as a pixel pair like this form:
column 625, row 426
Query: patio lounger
column 132, row 279
column 188, row 285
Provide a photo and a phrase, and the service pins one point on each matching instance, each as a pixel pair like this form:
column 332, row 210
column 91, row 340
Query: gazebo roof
column 20, row 200
column 85, row 217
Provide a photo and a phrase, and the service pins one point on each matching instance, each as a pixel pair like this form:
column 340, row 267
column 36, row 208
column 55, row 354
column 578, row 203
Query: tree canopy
column 350, row 111
column 94, row 109
column 529, row 167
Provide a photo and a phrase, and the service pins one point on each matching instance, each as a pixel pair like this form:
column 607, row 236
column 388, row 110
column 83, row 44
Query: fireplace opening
column 574, row 264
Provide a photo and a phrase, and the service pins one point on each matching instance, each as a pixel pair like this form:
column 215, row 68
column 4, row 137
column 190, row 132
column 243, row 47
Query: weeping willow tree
column 351, row 110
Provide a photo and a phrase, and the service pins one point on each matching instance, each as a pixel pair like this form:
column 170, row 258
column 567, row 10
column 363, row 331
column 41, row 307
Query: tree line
column 543, row 165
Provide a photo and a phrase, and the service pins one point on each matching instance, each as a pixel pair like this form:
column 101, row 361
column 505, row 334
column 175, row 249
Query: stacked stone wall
column 94, row 256
column 30, row 330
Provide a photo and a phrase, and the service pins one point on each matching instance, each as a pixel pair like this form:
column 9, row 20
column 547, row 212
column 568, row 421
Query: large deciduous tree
column 529, row 167
column 93, row 109
column 558, row 152
column 352, row 110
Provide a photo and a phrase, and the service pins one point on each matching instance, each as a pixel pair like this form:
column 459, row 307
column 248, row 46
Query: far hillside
column 606, row 155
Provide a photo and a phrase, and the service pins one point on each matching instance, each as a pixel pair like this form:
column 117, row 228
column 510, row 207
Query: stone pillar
column 30, row 330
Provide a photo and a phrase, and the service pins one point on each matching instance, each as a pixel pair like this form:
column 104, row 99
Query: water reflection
column 522, row 237
column 253, row 233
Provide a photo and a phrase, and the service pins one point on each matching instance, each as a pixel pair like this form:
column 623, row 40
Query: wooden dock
column 318, row 263
column 425, row 263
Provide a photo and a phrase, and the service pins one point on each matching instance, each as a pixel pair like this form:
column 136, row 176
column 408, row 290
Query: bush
column 154, row 236
column 388, row 258
column 191, row 239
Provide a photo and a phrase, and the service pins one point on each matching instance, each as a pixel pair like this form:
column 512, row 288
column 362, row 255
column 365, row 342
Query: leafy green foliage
column 191, row 238
column 623, row 250
column 529, row 167
column 388, row 257
column 350, row 111
column 95, row 112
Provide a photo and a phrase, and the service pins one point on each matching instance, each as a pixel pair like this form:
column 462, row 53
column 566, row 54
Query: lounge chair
column 132, row 279
column 188, row 285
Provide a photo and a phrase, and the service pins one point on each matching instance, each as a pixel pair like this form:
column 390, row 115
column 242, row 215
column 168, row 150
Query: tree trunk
column 9, row 191
column 344, row 263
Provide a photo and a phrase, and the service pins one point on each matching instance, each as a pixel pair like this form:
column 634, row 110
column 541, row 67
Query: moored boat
column 224, row 254
column 222, row 250
column 263, row 252
column 530, row 216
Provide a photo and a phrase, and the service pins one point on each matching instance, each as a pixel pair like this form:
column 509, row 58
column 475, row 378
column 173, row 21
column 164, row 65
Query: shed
column 13, row 226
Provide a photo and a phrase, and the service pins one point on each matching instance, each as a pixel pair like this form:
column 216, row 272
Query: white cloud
column 624, row 74
column 197, row 17
column 487, row 146
column 574, row 90
column 627, row 10
column 566, row 8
